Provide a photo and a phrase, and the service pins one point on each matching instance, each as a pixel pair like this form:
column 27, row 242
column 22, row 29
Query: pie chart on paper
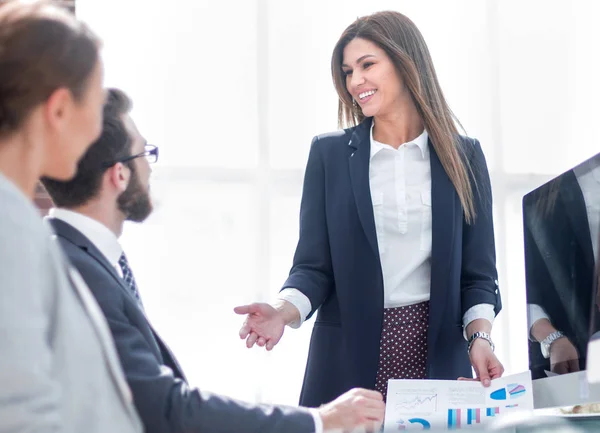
column 511, row 391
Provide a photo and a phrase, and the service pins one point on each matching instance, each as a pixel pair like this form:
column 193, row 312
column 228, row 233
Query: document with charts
column 453, row 404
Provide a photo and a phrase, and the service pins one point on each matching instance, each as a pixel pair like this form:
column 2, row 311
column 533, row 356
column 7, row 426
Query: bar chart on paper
column 458, row 418
column 453, row 405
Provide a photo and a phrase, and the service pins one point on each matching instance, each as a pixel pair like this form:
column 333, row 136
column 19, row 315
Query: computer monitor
column 561, row 222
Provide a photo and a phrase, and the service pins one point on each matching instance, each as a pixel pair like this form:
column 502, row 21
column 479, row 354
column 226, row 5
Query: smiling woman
column 393, row 44
column 396, row 246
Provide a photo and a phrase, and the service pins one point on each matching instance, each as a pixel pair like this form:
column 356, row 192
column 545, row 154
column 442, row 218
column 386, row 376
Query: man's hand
column 563, row 357
column 265, row 323
column 356, row 408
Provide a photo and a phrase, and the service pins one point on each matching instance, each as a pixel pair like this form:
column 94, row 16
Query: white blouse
column 400, row 182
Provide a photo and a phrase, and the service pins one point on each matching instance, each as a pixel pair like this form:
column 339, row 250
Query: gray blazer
column 59, row 371
column 164, row 399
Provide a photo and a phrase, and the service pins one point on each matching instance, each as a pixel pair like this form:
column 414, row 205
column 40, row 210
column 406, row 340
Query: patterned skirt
column 403, row 346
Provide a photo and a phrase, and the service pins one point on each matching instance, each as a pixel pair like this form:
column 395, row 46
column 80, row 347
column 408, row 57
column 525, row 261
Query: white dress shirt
column 588, row 178
column 400, row 183
column 108, row 244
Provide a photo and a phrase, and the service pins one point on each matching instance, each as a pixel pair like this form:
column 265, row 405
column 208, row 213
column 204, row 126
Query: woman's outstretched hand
column 265, row 323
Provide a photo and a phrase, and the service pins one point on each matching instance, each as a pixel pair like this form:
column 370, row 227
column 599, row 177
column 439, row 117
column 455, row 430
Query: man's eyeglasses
column 150, row 153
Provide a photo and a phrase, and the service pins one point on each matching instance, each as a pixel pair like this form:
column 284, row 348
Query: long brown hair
column 42, row 48
column 402, row 41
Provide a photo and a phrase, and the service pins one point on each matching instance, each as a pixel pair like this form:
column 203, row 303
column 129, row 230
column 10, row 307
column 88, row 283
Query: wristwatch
column 483, row 335
column 547, row 342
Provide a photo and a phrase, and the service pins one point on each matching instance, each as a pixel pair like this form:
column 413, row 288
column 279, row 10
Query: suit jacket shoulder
column 333, row 137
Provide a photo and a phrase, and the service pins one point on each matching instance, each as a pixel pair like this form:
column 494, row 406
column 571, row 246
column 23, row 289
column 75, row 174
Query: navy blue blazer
column 162, row 396
column 337, row 265
column 559, row 265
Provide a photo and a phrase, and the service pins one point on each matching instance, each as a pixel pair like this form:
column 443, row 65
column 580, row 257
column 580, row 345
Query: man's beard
column 135, row 201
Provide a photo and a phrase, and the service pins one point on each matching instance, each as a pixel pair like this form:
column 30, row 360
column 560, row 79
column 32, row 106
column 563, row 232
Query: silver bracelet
column 483, row 335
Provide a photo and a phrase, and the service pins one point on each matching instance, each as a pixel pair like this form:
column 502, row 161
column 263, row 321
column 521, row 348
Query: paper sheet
column 450, row 404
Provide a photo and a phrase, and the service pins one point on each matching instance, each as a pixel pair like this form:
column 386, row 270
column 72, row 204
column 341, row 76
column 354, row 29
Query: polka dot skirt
column 403, row 346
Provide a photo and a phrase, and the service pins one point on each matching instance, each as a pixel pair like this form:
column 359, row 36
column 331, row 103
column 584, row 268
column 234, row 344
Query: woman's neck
column 21, row 164
column 401, row 126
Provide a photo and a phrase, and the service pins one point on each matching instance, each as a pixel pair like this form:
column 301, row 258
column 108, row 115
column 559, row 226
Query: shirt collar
column 422, row 142
column 100, row 235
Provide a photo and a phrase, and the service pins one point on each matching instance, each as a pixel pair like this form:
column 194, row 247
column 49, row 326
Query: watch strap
column 484, row 335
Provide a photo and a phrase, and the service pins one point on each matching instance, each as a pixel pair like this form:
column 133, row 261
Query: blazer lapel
column 67, row 231
column 98, row 322
column 94, row 252
column 359, row 161
column 445, row 209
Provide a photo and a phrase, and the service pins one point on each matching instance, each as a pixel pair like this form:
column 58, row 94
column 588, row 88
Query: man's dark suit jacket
column 559, row 264
column 163, row 398
column 337, row 265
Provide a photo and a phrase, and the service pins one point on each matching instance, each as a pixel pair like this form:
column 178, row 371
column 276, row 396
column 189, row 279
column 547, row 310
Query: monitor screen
column 561, row 230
